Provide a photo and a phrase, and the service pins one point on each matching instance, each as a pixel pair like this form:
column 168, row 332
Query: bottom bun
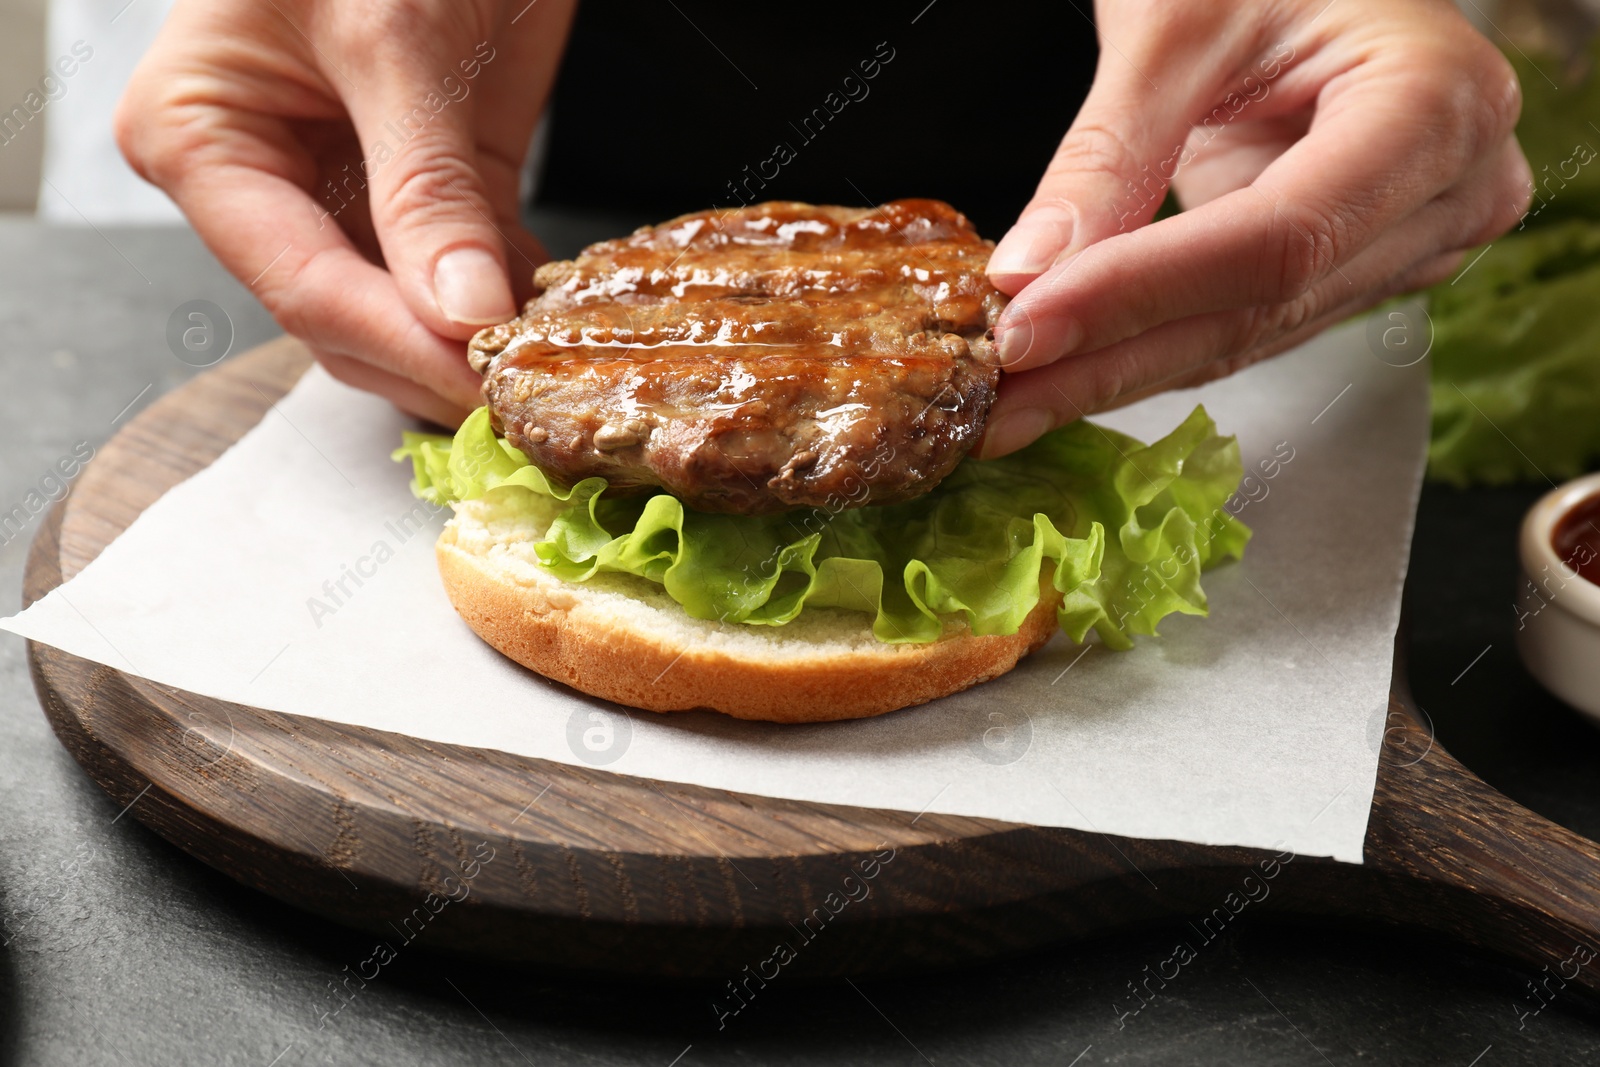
column 621, row 637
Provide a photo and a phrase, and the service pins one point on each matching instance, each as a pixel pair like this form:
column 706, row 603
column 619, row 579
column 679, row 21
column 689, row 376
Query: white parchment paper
column 1258, row 726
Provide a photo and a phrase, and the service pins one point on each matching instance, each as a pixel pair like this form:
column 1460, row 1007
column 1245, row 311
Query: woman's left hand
column 1329, row 155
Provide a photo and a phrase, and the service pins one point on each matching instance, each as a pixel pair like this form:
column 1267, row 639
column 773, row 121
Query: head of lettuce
column 821, row 613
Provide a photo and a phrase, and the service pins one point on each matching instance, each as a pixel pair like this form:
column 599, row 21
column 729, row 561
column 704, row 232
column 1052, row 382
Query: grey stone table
column 120, row 949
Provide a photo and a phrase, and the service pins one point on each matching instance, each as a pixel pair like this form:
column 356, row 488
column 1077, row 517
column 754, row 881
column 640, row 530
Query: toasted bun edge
column 652, row 660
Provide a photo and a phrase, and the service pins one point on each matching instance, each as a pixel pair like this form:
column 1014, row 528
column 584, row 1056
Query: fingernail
column 471, row 288
column 1033, row 244
column 1015, row 337
column 1014, row 430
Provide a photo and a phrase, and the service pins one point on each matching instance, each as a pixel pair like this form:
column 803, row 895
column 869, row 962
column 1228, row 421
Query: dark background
column 120, row 949
column 659, row 105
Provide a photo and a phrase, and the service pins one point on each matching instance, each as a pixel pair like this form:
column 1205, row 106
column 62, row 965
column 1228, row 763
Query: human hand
column 357, row 166
column 1329, row 155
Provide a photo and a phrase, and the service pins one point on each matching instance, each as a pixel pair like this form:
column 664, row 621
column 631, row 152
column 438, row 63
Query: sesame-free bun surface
column 623, row 638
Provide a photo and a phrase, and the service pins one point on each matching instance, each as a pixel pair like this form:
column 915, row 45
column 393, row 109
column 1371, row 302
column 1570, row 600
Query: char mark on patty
column 772, row 357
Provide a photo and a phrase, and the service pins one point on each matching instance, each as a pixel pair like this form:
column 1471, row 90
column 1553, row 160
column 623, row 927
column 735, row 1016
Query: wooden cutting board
column 488, row 853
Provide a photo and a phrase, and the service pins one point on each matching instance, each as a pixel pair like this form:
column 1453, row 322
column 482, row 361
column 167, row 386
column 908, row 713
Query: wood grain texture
column 591, row 870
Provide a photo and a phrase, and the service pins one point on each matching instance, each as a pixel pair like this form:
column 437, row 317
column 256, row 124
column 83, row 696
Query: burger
column 723, row 463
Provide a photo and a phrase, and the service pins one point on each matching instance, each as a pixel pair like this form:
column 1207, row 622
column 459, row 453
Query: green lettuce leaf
column 1126, row 530
column 1516, row 349
column 1516, row 361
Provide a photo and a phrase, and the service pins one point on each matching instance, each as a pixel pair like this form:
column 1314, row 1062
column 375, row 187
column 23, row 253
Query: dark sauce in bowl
column 1576, row 538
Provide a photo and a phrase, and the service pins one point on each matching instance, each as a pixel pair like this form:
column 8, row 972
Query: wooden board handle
column 1451, row 854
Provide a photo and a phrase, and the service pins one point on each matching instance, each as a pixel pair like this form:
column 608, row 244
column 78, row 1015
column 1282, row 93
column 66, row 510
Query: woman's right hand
column 357, row 166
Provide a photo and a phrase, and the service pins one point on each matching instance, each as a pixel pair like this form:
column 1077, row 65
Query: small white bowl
column 1558, row 610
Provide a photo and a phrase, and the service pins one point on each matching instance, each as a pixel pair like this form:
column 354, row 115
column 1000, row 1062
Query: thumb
column 431, row 208
column 1109, row 175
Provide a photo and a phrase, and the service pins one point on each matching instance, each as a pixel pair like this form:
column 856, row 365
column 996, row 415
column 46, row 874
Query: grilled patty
column 777, row 356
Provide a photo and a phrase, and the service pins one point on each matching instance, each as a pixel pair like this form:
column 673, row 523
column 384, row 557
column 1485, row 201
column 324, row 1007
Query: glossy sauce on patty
column 755, row 360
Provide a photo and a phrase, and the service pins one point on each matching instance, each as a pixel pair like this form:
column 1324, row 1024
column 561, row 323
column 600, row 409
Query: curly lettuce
column 1516, row 350
column 1121, row 529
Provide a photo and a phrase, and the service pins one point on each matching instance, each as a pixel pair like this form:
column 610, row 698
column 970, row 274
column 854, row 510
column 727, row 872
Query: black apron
column 668, row 106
